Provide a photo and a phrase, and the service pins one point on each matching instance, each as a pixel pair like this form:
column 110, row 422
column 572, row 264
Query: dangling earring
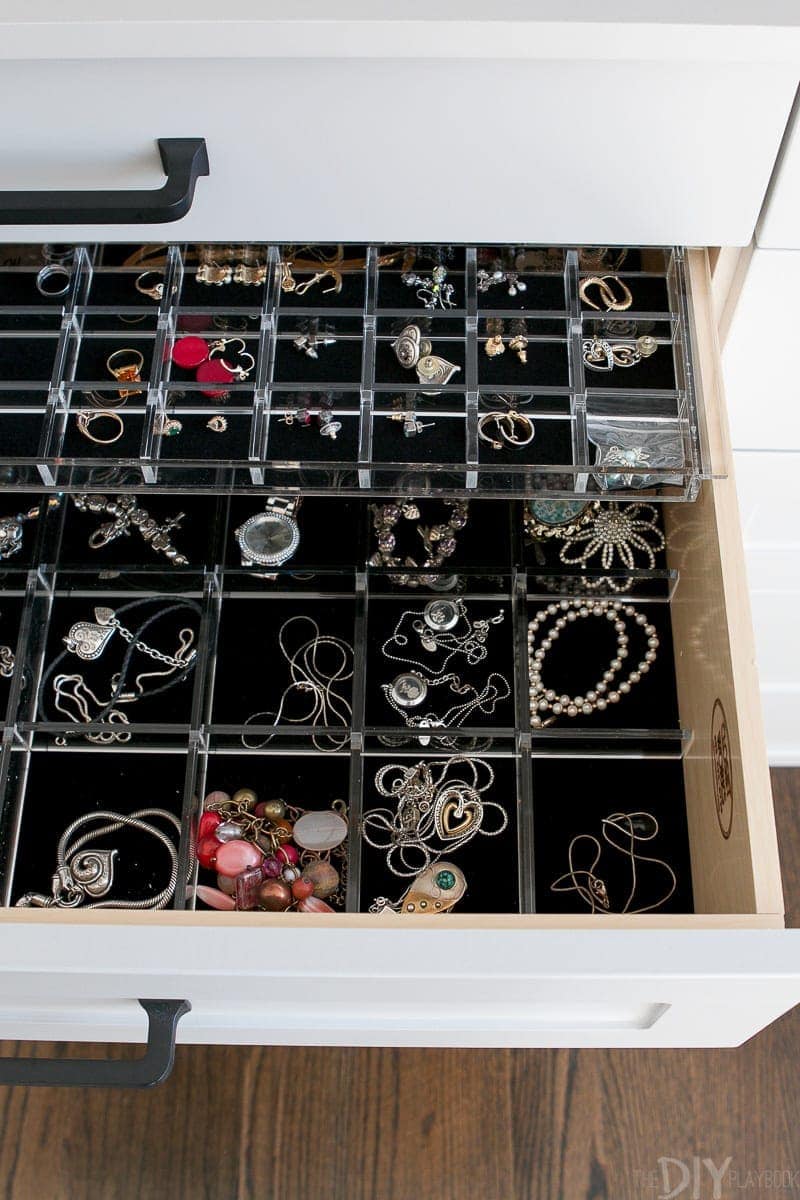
column 494, row 346
column 519, row 340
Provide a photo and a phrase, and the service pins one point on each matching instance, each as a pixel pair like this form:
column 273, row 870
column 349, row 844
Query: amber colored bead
column 274, row 895
column 302, row 889
column 282, row 829
column 246, row 797
column 323, row 877
column 271, row 810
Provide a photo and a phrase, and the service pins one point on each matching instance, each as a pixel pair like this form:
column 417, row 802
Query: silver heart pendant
column 93, row 871
column 88, row 640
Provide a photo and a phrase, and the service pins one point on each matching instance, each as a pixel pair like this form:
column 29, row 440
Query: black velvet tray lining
column 487, row 549
column 312, row 780
column 490, row 864
column 61, row 787
column 172, row 707
column 572, row 796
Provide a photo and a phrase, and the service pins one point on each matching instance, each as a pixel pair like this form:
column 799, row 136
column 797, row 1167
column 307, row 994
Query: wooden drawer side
column 735, row 865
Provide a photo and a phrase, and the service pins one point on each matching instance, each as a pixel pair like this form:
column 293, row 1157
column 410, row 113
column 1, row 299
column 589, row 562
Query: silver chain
column 143, row 648
column 472, row 643
column 326, row 707
column 426, row 792
column 90, row 873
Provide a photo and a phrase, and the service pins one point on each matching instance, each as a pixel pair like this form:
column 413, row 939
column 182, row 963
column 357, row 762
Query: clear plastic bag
column 630, row 445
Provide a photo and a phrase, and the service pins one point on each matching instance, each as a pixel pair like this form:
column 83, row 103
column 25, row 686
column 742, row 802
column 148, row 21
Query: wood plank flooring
column 342, row 1124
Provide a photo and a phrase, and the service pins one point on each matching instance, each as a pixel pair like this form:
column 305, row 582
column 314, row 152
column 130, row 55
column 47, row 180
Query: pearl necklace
column 543, row 700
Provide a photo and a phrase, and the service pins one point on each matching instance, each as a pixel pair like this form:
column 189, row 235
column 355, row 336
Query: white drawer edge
column 446, row 29
column 598, row 989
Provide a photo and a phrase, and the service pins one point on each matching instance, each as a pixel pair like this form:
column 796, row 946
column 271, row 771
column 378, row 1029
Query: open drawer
column 710, row 970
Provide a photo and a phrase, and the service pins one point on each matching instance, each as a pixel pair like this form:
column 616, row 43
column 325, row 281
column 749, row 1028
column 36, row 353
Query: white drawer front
column 413, row 987
column 410, row 149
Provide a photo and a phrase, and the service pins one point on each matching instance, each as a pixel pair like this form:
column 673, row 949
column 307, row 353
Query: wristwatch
column 270, row 538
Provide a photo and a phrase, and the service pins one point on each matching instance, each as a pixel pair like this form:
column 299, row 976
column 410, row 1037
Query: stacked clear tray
column 54, row 350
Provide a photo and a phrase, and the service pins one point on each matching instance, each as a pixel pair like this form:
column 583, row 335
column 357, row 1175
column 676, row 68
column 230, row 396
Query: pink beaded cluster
column 250, row 845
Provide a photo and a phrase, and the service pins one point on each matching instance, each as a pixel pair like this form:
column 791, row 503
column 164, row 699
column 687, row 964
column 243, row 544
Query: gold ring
column 129, row 371
column 85, row 418
column 154, row 290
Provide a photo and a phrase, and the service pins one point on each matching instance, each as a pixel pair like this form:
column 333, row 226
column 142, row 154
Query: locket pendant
column 456, row 815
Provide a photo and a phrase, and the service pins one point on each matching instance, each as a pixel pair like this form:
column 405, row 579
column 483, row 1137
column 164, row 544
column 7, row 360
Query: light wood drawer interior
column 734, row 863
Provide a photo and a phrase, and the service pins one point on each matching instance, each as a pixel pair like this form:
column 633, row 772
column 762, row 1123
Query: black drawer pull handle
column 183, row 159
column 153, row 1067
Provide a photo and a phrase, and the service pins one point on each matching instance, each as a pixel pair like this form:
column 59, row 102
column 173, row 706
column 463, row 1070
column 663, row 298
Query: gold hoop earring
column 604, row 283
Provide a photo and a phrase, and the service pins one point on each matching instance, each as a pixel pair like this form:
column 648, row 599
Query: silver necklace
column 440, row 806
column 631, row 829
column 438, row 627
column 73, row 698
column 543, row 700
column 83, row 876
column 408, row 691
column 317, row 684
column 437, row 630
column 7, row 661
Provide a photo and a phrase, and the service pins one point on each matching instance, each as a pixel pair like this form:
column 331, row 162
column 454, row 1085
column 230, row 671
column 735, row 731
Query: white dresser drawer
column 713, row 976
column 376, row 125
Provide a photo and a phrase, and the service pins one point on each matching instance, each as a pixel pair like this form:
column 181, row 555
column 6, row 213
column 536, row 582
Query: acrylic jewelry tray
column 318, row 356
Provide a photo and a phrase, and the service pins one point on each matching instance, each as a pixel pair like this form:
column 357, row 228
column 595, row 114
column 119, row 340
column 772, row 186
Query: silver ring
column 53, row 271
column 58, row 253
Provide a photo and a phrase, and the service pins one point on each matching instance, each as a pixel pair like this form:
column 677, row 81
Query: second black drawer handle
column 153, row 1067
column 183, row 159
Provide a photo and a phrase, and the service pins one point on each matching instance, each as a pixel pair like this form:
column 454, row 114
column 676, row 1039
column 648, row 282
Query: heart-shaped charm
column 457, row 814
column 598, row 355
column 93, row 871
column 88, row 640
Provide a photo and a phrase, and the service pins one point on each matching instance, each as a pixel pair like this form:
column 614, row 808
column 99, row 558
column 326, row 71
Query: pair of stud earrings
column 309, row 412
column 518, row 341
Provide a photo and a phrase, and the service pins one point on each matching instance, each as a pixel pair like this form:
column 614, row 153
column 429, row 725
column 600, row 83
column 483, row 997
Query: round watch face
column 556, row 512
column 269, row 538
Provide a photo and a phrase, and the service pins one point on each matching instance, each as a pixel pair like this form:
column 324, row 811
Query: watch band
column 288, row 505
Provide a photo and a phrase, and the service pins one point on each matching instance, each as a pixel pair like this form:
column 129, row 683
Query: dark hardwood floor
column 295, row 1124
